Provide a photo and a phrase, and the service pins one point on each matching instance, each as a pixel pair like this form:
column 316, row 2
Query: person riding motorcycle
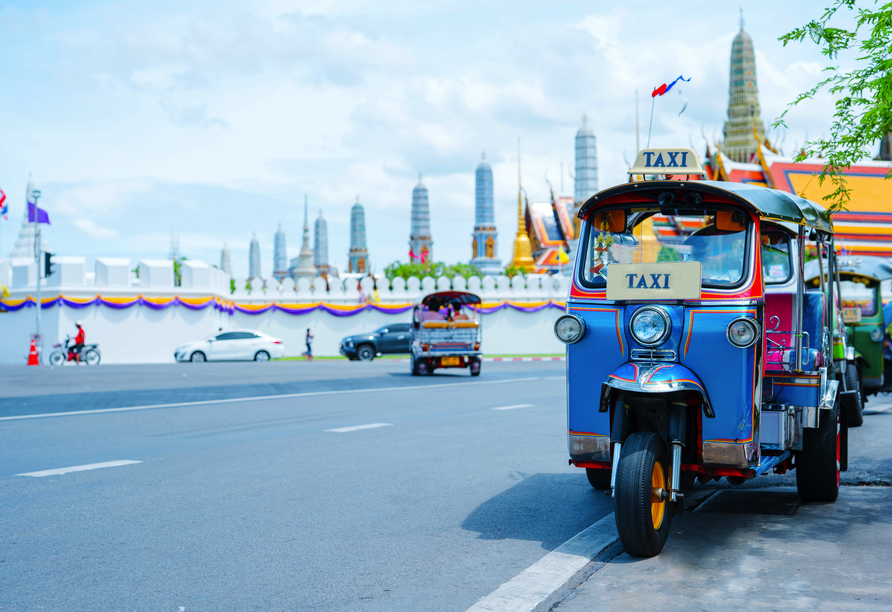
column 78, row 342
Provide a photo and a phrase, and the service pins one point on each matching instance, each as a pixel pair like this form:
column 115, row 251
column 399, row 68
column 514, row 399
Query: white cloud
column 214, row 119
column 89, row 227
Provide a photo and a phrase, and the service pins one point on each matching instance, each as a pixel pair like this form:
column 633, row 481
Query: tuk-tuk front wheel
column 817, row 464
column 643, row 510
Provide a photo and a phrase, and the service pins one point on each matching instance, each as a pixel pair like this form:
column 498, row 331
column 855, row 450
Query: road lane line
column 265, row 397
column 358, row 427
column 533, row 585
column 79, row 468
column 513, row 407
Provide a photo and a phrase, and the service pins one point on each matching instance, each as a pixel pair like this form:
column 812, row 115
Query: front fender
column 649, row 377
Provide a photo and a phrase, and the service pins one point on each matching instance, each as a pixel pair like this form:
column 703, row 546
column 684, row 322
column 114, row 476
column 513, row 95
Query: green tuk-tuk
column 862, row 313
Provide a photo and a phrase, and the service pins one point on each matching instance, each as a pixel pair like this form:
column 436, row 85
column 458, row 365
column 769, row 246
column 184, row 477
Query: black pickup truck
column 393, row 338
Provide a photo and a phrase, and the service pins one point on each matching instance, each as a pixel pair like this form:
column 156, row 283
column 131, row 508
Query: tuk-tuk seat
column 465, row 324
column 778, row 305
column 781, row 306
column 441, row 324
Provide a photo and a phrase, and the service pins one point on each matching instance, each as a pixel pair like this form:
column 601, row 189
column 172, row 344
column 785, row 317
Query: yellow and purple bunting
column 230, row 307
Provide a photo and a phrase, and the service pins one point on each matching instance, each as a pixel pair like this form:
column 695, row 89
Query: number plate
column 451, row 361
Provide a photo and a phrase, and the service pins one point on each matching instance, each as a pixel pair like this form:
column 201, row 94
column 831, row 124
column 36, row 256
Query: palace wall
column 132, row 331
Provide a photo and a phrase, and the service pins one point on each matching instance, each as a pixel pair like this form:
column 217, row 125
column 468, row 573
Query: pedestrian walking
column 309, row 341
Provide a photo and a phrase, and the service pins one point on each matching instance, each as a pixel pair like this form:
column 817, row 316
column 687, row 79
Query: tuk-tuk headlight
column 876, row 334
column 569, row 328
column 650, row 326
column 743, row 332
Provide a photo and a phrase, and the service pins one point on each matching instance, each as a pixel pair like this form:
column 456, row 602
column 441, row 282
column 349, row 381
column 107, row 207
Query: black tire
column 599, row 479
column 413, row 366
column 198, row 357
column 92, row 357
column 855, row 417
column 57, row 358
column 817, row 464
column 365, row 352
column 474, row 366
column 642, row 523
column 261, row 356
column 423, row 366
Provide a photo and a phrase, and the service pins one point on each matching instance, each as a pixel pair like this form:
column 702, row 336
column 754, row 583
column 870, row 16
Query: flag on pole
column 38, row 215
column 562, row 256
column 662, row 89
column 4, row 292
column 4, row 207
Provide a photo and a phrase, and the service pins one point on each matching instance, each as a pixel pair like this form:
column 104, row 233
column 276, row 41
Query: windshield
column 856, row 295
column 670, row 237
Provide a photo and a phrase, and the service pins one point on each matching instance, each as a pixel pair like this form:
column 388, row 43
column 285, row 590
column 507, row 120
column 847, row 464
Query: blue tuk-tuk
column 695, row 351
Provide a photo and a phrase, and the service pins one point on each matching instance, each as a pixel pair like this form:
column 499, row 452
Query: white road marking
column 533, row 585
column 358, row 427
column 267, row 397
column 79, row 468
column 513, row 407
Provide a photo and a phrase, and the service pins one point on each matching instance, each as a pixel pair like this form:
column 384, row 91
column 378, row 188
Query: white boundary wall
column 140, row 334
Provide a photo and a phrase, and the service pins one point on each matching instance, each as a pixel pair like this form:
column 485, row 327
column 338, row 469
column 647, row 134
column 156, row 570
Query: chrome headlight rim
column 579, row 320
column 757, row 331
column 667, row 320
column 877, row 335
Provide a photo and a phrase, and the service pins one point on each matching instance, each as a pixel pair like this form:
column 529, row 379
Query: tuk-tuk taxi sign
column 667, row 161
column 654, row 281
column 851, row 314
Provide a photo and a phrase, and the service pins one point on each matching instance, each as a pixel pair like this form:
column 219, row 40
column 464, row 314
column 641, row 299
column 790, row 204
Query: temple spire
column 523, row 252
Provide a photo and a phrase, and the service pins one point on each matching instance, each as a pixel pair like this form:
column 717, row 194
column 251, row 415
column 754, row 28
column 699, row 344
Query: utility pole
column 38, row 257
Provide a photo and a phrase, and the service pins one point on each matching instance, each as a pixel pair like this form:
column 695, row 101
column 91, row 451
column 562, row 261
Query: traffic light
column 47, row 264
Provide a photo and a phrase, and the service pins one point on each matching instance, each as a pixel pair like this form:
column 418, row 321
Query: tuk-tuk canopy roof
column 876, row 268
column 768, row 203
column 435, row 301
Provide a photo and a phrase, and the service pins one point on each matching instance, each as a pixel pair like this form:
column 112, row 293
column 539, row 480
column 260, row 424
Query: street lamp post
column 38, row 256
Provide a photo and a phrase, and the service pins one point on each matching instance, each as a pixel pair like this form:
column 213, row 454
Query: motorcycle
column 89, row 354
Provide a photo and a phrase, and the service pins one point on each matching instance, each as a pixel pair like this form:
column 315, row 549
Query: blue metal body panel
column 801, row 390
column 589, row 363
column 728, row 372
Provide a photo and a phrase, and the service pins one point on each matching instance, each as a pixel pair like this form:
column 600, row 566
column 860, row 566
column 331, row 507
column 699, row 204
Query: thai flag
column 4, row 208
column 659, row 91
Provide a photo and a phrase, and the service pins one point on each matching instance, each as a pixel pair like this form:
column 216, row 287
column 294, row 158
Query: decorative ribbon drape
column 228, row 306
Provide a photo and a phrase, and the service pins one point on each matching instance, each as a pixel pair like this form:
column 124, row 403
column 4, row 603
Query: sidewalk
column 758, row 549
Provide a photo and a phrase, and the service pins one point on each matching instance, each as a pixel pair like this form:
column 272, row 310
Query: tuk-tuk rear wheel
column 599, row 479
column 853, row 382
column 817, row 464
column 643, row 511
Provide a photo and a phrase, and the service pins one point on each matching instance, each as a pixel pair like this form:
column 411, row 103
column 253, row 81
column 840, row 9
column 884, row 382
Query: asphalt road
column 255, row 505
column 255, row 491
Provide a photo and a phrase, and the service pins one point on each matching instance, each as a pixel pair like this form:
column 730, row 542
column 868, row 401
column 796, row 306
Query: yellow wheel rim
column 657, row 485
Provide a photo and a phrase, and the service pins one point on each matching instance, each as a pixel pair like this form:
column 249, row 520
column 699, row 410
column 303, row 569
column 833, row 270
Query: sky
column 214, row 119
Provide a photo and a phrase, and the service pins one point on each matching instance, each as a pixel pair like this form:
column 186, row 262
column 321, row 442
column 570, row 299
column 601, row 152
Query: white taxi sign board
column 667, row 161
column 654, row 281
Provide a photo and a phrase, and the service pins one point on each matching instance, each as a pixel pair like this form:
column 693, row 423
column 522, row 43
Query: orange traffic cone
column 32, row 355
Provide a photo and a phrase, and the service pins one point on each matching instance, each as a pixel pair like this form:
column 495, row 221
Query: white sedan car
column 232, row 345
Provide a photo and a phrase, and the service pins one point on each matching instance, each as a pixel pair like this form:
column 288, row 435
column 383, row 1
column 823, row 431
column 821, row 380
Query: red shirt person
column 78, row 342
